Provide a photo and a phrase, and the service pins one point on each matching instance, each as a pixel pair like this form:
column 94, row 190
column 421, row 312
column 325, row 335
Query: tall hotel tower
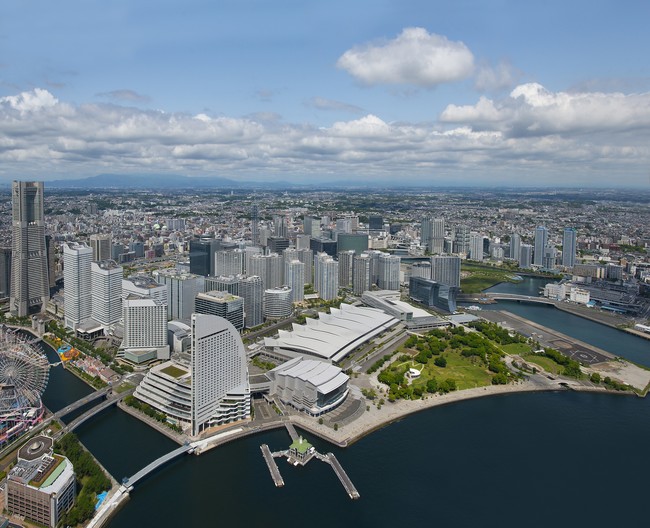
column 220, row 389
column 29, row 274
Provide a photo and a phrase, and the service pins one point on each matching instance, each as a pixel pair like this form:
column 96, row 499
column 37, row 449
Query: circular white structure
column 23, row 367
column 24, row 373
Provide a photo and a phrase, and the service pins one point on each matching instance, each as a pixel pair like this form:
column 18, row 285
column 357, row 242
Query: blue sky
column 463, row 92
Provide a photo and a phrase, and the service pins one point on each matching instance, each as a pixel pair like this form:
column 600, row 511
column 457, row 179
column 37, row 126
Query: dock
column 342, row 475
column 300, row 453
column 273, row 467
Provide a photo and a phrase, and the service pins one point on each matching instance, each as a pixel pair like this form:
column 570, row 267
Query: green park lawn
column 518, row 349
column 546, row 363
column 482, row 277
column 460, row 369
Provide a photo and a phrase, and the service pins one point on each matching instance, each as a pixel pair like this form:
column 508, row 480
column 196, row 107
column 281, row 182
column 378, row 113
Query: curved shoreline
column 375, row 419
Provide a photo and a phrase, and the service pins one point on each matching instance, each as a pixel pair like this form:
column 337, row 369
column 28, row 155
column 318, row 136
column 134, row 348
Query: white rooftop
column 332, row 336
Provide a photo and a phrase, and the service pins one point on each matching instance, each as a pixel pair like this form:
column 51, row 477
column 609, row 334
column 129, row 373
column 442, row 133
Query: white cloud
column 531, row 109
column 32, row 101
column 532, row 133
column 414, row 57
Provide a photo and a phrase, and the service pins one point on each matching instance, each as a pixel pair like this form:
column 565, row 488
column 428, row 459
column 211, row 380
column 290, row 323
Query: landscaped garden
column 450, row 359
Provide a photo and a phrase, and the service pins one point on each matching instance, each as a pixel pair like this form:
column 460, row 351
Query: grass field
column 460, row 369
column 546, row 363
column 482, row 277
column 518, row 349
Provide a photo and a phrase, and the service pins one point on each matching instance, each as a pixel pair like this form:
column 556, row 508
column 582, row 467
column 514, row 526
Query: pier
column 273, row 467
column 300, row 453
column 342, row 475
column 292, row 431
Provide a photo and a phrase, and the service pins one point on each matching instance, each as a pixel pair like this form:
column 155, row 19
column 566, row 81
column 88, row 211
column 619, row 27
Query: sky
column 463, row 92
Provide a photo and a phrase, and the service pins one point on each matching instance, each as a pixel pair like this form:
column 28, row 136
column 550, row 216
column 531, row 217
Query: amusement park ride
column 24, row 373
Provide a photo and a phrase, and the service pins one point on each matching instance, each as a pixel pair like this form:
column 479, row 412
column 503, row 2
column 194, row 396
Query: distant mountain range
column 158, row 181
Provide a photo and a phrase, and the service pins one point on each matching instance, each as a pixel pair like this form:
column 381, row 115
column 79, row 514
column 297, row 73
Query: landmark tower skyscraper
column 30, row 285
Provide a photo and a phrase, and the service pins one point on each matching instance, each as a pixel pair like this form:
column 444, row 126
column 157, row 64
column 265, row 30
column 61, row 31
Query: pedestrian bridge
column 131, row 481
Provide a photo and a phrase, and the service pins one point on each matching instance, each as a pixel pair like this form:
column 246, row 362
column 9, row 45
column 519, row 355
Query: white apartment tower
column 389, row 272
column 445, row 269
column 77, row 302
column 220, row 389
column 106, row 292
column 541, row 240
column 569, row 247
column 294, row 277
column 361, row 273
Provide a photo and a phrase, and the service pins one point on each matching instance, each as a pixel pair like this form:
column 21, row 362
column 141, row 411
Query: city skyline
column 430, row 93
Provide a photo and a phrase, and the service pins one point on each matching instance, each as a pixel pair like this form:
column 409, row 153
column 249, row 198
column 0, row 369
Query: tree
column 336, row 427
column 595, row 377
column 440, row 361
column 432, row 385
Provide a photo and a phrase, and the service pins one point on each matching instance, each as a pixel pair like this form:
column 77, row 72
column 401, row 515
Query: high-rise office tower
column 220, row 389
column 280, row 226
column 303, row 242
column 182, row 288
column 202, row 255
column 344, row 225
column 101, row 245
column 311, row 226
column 426, row 231
column 541, row 240
column 106, row 292
column 526, row 256
column 5, row 271
column 475, row 246
column 222, row 304
column 361, row 273
column 255, row 225
column 461, row 239
column 294, row 277
column 515, row 246
column 437, row 240
column 389, row 272
column 30, row 285
column 355, row 241
column 375, row 223
column 346, row 266
column 137, row 248
column 445, row 269
column 145, row 325
column 569, row 247
column 76, row 282
column 277, row 244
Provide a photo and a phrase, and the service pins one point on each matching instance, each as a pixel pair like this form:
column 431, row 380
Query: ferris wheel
column 23, row 367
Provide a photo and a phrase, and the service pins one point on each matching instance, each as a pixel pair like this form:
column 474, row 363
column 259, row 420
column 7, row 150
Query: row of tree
column 90, row 478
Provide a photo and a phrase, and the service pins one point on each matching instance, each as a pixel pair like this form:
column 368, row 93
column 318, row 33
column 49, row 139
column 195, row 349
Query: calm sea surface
column 522, row 460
